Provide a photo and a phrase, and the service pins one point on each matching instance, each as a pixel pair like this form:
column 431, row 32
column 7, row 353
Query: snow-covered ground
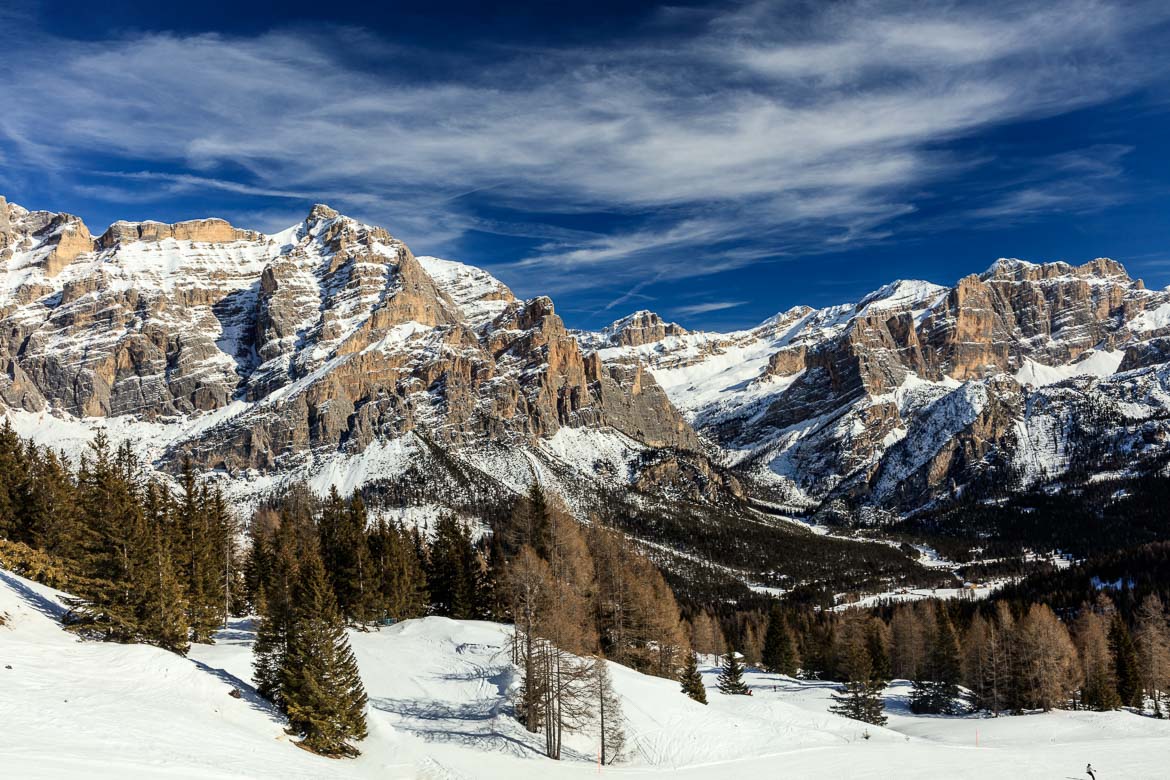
column 438, row 709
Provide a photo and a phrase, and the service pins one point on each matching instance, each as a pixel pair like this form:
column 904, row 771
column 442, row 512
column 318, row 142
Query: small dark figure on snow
column 1090, row 772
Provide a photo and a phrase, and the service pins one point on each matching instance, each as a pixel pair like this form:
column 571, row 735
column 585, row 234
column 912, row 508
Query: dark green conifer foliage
column 938, row 689
column 111, row 515
column 860, row 698
column 50, row 517
column 453, row 571
column 346, row 554
column 692, row 681
column 162, row 609
column 779, row 654
column 321, row 689
column 398, row 578
column 197, row 560
column 12, row 471
column 1129, row 681
column 285, row 552
column 731, row 678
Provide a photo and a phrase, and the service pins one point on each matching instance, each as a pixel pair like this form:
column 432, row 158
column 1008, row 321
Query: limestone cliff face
column 919, row 392
column 325, row 338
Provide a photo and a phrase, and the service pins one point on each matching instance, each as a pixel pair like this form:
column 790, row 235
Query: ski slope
column 439, row 709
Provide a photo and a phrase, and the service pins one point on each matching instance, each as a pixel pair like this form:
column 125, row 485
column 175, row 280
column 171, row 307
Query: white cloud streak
column 771, row 129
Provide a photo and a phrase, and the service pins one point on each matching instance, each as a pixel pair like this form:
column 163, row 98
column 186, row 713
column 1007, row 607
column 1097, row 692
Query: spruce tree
column 453, row 571
column 731, row 678
column 321, row 688
column 692, row 681
column 1099, row 689
column 779, row 654
column 1129, row 681
column 197, row 558
column 282, row 559
column 860, row 697
column 937, row 688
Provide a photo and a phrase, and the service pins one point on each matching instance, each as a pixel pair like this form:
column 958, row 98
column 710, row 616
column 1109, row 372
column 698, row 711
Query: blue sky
column 714, row 163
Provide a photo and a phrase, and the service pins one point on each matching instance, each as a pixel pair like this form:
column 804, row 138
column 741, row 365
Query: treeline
column 732, row 536
column 144, row 564
column 1088, row 520
column 152, row 563
column 578, row 596
column 1009, row 659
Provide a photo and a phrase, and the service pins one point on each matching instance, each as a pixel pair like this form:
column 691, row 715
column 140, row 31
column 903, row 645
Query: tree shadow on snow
column 473, row 724
column 247, row 692
column 48, row 607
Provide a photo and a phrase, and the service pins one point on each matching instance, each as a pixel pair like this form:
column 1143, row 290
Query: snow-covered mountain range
column 329, row 352
column 1012, row 377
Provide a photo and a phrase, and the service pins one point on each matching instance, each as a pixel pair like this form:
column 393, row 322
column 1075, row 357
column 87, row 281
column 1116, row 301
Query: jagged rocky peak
column 1015, row 270
column 902, row 295
column 46, row 239
column 641, row 327
column 325, row 337
column 211, row 231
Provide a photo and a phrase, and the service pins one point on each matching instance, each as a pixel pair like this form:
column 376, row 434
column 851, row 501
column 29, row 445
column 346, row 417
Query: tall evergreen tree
column 731, row 677
column 860, row 697
column 453, row 571
column 321, row 688
column 779, row 654
column 937, row 688
column 294, row 539
column 1129, row 682
column 692, row 681
column 198, row 566
column 1099, row 690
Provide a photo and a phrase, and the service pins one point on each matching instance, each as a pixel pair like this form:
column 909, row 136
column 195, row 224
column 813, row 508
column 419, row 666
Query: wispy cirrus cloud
column 767, row 128
column 705, row 308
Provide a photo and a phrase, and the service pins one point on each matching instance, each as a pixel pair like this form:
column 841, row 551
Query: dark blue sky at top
column 714, row 163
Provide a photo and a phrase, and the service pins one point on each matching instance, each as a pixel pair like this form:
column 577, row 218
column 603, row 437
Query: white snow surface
column 1151, row 320
column 1099, row 363
column 438, row 692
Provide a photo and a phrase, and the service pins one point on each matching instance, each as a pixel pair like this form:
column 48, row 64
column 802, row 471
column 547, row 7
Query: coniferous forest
column 168, row 564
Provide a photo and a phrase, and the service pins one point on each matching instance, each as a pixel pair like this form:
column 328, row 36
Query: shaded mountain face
column 920, row 392
column 253, row 352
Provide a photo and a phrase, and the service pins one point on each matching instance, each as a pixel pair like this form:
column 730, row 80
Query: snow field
column 439, row 708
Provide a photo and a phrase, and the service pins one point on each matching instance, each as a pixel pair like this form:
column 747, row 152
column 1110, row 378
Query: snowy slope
column 439, row 709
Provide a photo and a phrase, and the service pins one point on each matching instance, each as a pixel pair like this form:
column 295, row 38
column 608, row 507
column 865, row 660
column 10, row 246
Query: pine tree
column 779, row 654
column 453, row 571
column 320, row 685
column 1099, row 690
column 1129, row 683
column 13, row 471
column 346, row 554
column 198, row 563
column 860, row 697
column 111, row 536
column 289, row 545
column 731, row 678
column 161, row 608
column 692, row 681
column 938, row 688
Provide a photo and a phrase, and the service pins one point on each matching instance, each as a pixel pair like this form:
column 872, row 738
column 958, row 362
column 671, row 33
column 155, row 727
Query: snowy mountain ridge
column 304, row 353
column 330, row 349
column 862, row 401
